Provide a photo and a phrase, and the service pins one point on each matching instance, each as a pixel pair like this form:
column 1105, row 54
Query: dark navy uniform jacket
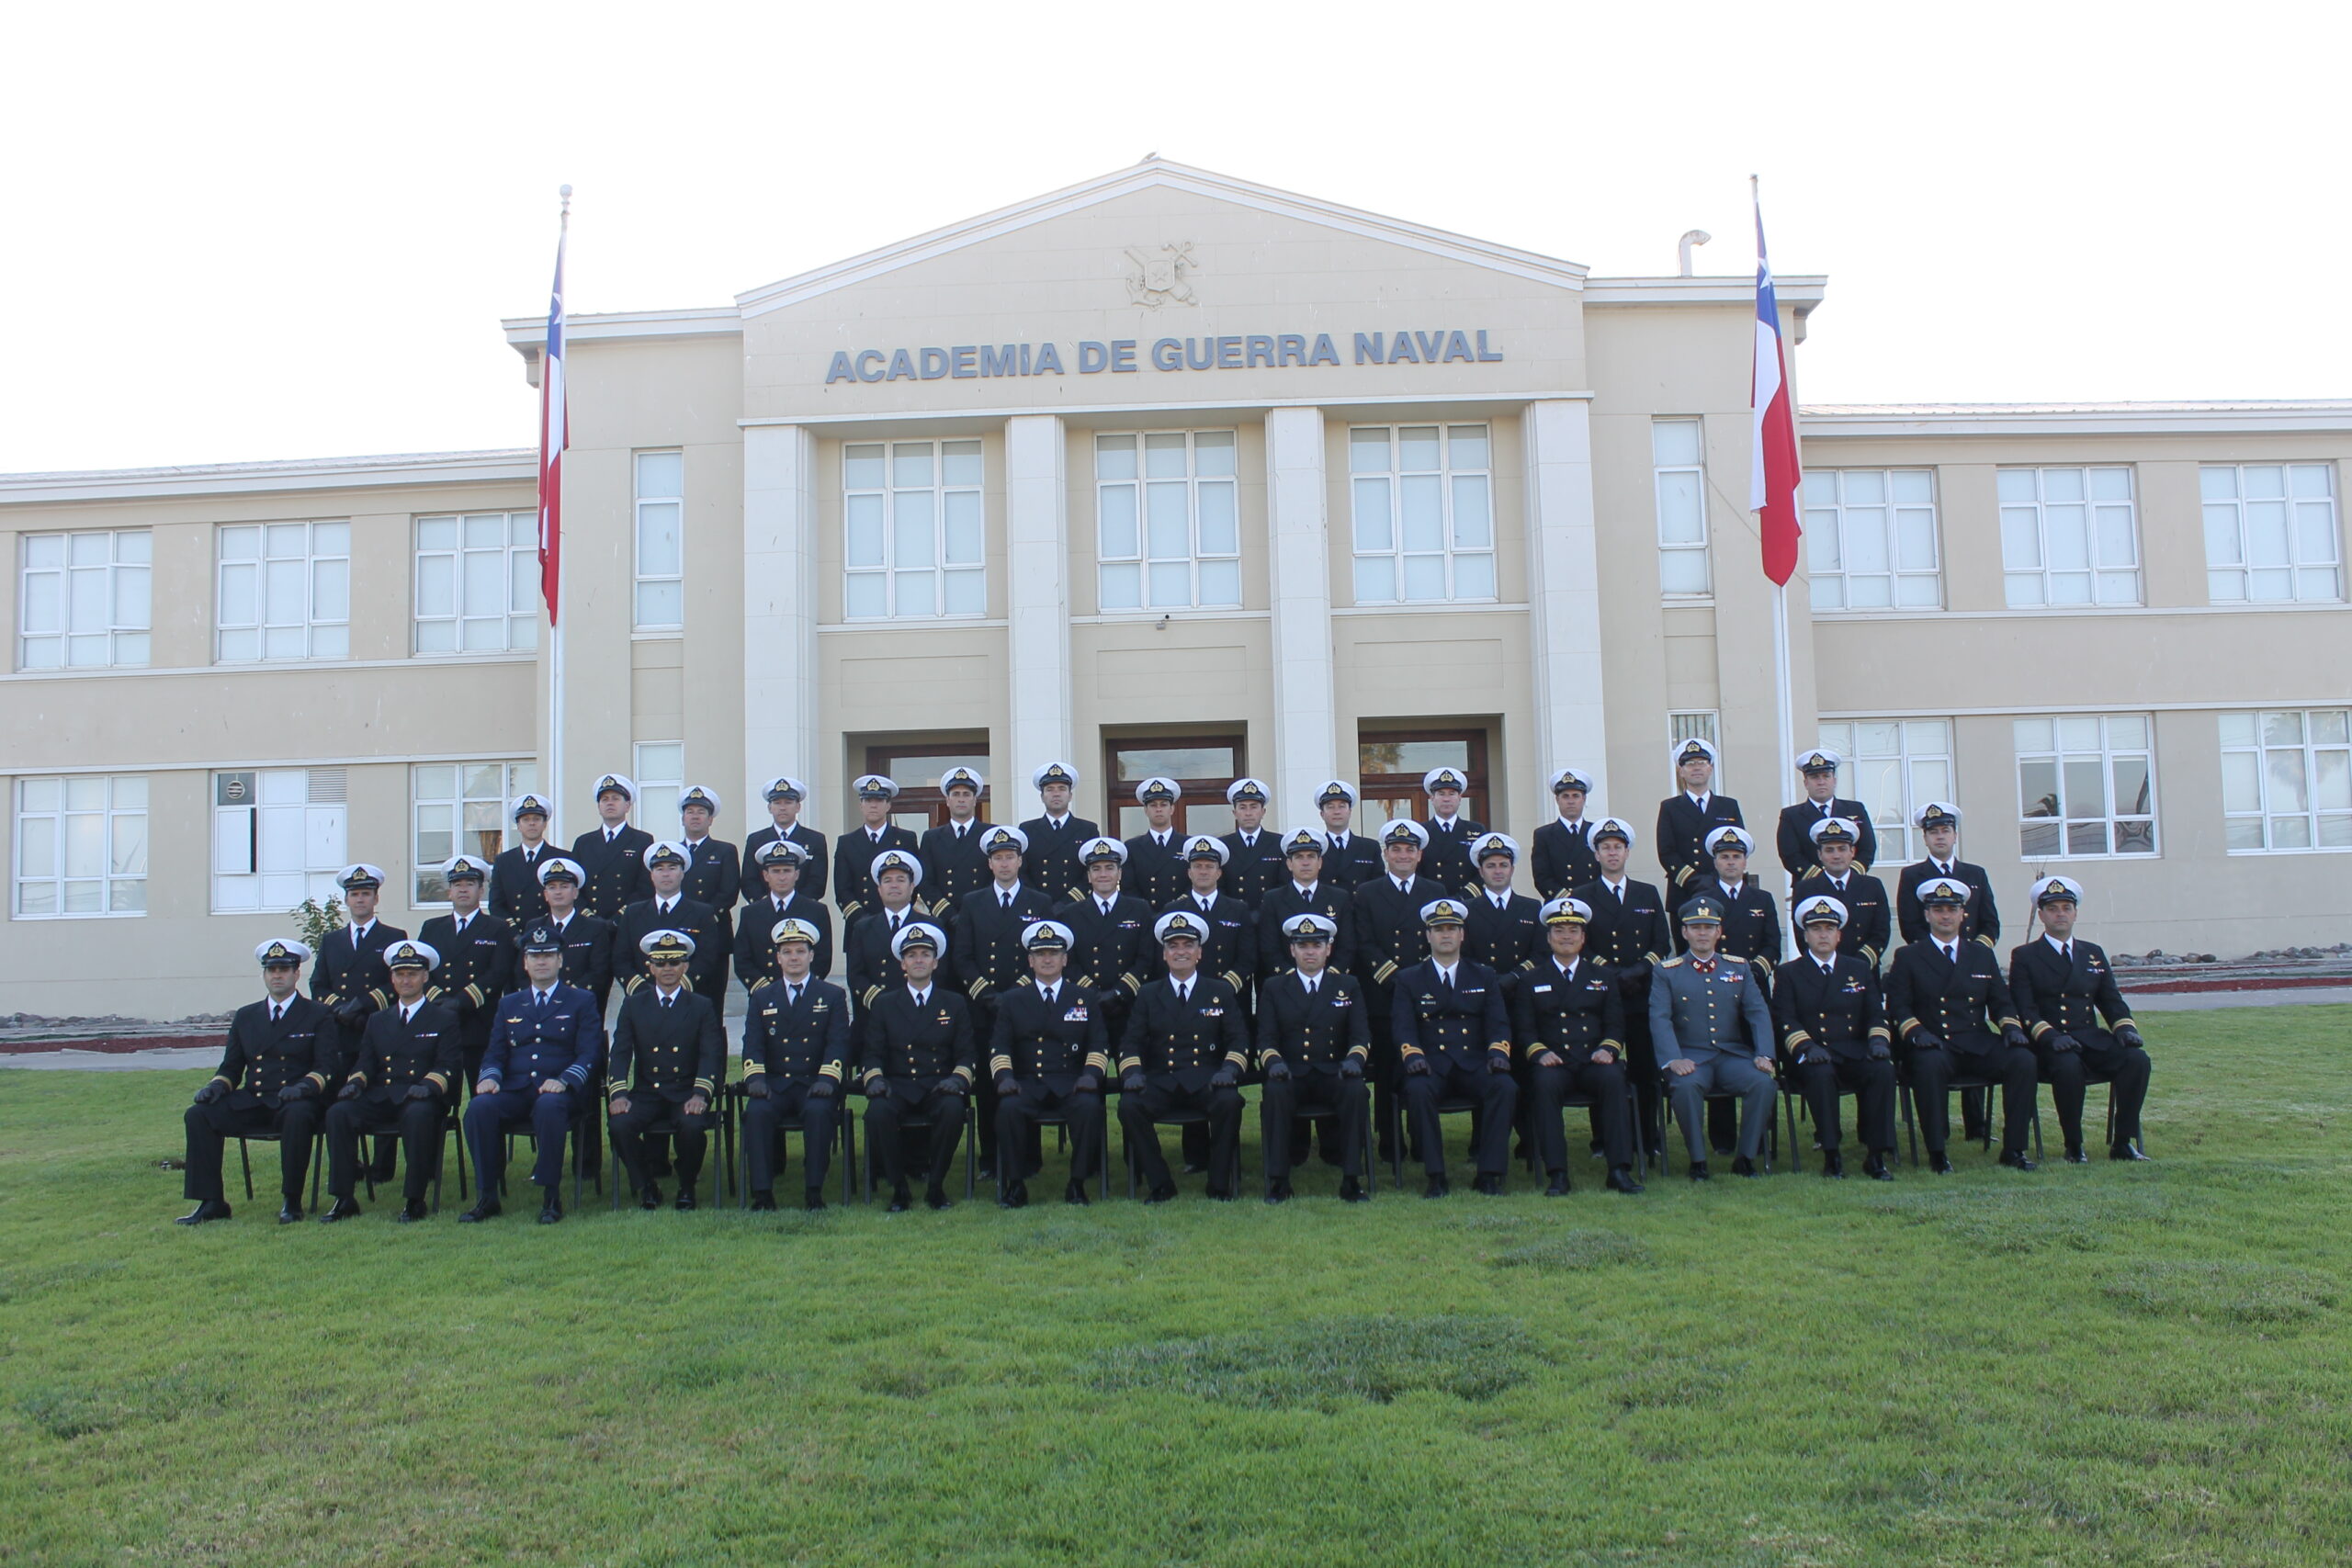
column 2055, row 995
column 616, row 871
column 587, row 955
column 1630, row 935
column 1508, row 940
column 1570, row 1015
column 1034, row 1040
column 1682, row 829
column 1461, row 1023
column 394, row 1058
column 1965, row 1005
column 1870, row 914
column 1313, row 1033
column 531, row 1042
column 714, row 876
column 517, row 894
column 854, row 868
column 756, row 937
column 1112, row 950
column 1251, row 871
column 1799, row 854
column 812, row 871
column 1283, row 901
column 1051, row 862
column 1983, row 922
column 1230, row 949
column 475, row 968
column 348, row 967
column 1447, row 859
column 1752, row 922
column 262, row 1057
column 953, row 865
column 1559, row 859
column 1840, row 1010
column 801, row 1041
column 923, row 1043
column 1154, row 871
column 986, row 937
column 675, row 1051
column 705, row 971
column 1189, row 1040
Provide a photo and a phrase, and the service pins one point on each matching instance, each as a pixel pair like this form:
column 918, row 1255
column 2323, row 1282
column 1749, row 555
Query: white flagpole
column 555, row 639
column 1784, row 700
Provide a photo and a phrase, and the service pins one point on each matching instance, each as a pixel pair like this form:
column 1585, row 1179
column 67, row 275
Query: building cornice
column 1821, row 422
column 519, row 464
column 1800, row 292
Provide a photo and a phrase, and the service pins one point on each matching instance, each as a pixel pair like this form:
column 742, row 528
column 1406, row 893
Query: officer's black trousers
column 418, row 1122
column 490, row 1117
column 209, row 1125
column 789, row 1104
column 652, row 1114
column 1872, row 1082
column 1311, row 1092
column 2098, row 1057
column 1978, row 1055
column 1497, row 1096
column 1166, row 1093
column 1021, row 1114
column 1612, row 1114
column 886, row 1120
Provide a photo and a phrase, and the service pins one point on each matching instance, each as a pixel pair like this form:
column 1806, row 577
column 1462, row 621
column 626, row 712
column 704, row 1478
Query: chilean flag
column 1774, row 472
column 555, row 435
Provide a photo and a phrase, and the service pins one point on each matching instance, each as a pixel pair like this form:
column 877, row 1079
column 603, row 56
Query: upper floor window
column 477, row 583
column 2069, row 537
column 1695, row 725
column 285, row 591
column 660, row 541
column 81, row 600
column 460, row 809
column 2270, row 534
column 2287, row 780
column 1167, row 527
column 1679, row 476
column 913, row 538
column 1895, row 767
column 2087, row 785
column 1870, row 537
column 81, row 847
column 1424, row 499
column 278, row 838
column 661, row 775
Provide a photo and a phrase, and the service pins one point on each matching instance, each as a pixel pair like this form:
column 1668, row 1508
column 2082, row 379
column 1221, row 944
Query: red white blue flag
column 1774, row 473
column 555, row 435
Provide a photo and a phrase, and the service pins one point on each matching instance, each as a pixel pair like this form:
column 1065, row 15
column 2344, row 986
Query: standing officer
column 952, row 851
column 1569, row 1015
column 1506, row 928
column 1349, row 857
column 784, row 797
column 1305, row 889
column 1713, row 1034
column 1110, row 951
column 612, row 852
column 1821, row 803
column 1953, row 1013
column 669, row 1054
column 515, row 895
column 1155, row 856
column 871, row 947
column 545, row 1048
column 587, row 941
column 1628, row 931
column 1453, row 1039
column 1870, row 913
column 714, row 875
column 1229, row 948
column 1049, row 1055
column 1938, row 825
column 1051, row 864
column 918, row 1061
column 1562, row 848
column 1253, row 865
column 350, row 980
column 1687, row 815
column 855, row 855
column 780, row 862
column 1184, row 1049
column 670, row 910
column 1390, row 938
column 1834, row 1029
column 1314, row 1037
column 278, row 1060
column 989, row 955
column 477, row 952
column 400, row 1079
column 1447, row 857
column 795, row 1055
column 2062, row 986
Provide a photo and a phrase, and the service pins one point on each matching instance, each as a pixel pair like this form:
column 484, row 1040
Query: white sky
column 250, row 232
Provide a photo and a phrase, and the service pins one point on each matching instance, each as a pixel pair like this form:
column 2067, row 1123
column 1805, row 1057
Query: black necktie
column 792, row 995
column 2066, row 950
column 1050, row 995
column 1006, row 898
column 1952, row 954
column 277, row 1012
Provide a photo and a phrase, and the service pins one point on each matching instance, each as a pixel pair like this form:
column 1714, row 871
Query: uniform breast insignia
column 1076, row 1014
column 513, row 1019
column 1342, row 999
column 1212, row 1012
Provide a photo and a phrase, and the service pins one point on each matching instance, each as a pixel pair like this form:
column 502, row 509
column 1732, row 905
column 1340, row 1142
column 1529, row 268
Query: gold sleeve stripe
column 999, row 1064
column 830, row 1070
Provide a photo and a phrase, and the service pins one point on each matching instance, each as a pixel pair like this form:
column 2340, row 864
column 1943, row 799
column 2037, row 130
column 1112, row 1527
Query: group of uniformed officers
column 1369, row 987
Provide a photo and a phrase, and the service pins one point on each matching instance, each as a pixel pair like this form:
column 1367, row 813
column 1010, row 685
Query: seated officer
column 780, row 863
column 669, row 1052
column 1826, row 1004
column 1184, row 1049
column 1713, row 1034
column 281, row 1057
column 917, row 1061
column 587, row 941
column 408, row 1063
column 546, row 1041
column 1453, row 1038
column 1506, row 928
column 1047, row 1056
column 796, row 1054
column 1569, row 1015
column 1953, row 1014
column 2062, row 986
column 1870, row 912
column 1314, row 1035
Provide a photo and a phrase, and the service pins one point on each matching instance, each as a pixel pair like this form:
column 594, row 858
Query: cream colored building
column 1172, row 472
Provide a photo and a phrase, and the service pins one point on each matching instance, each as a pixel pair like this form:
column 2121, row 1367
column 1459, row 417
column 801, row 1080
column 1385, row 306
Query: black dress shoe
column 1699, row 1171
column 1278, row 1192
column 1745, row 1167
column 412, row 1212
column 1833, row 1165
column 935, row 1197
column 763, row 1201
column 341, row 1209
column 1016, row 1196
column 2125, row 1151
column 289, row 1212
column 900, row 1202
column 1350, row 1190
column 1875, row 1167
column 1939, row 1162
column 685, row 1203
column 1487, row 1184
column 488, row 1208
column 1075, row 1193
column 812, row 1199
column 1438, row 1188
column 650, row 1198
column 1622, row 1179
column 2017, row 1159
column 1558, row 1186
column 1159, row 1194
column 204, row 1214
column 1220, row 1194
column 551, row 1210
column 2075, row 1154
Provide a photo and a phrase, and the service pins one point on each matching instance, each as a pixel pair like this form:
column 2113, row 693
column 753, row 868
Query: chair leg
column 318, row 1160
column 1910, row 1128
column 246, row 1159
column 971, row 1153
column 849, row 1152
column 462, row 1163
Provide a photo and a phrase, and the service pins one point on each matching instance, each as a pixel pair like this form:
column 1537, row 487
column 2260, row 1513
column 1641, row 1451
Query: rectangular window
column 1167, row 526
column 477, row 582
column 2287, row 780
column 1423, row 497
column 1870, row 538
column 1679, row 474
column 1693, row 726
column 278, row 838
column 81, row 847
column 1895, row 767
column 660, row 541
column 913, row 530
column 1390, row 767
column 285, row 591
column 460, row 809
column 2271, row 534
column 661, row 775
column 917, row 767
column 2086, row 787
column 81, row 600
column 2069, row 537
column 1204, row 766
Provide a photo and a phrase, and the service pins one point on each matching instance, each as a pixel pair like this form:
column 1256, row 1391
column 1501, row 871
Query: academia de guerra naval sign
column 1272, row 351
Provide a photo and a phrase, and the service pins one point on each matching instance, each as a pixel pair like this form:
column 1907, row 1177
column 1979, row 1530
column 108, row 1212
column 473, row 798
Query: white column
column 1564, row 593
column 780, row 615
column 1036, row 599
column 1299, row 553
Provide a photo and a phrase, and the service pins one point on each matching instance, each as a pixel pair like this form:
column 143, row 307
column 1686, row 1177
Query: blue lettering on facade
column 935, row 364
column 1093, row 359
column 1049, row 361
column 839, row 369
column 1123, row 355
column 902, row 366
column 1005, row 361
column 965, row 369
column 1168, row 354
column 1368, row 349
column 1268, row 351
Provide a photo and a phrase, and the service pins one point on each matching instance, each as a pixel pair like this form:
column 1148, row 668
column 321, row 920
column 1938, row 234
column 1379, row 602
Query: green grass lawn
column 2146, row 1365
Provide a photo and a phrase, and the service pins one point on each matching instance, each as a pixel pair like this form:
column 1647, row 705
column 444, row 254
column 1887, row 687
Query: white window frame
column 304, row 809
column 1669, row 482
column 2035, row 503
column 492, row 589
column 54, row 829
column 658, row 583
column 1386, row 563
column 465, row 814
column 289, row 620
column 1916, row 754
column 2260, row 763
column 654, row 761
column 2302, row 543
column 2066, row 744
column 1139, row 566
column 932, row 527
column 106, row 602
column 1846, row 508
column 1694, row 724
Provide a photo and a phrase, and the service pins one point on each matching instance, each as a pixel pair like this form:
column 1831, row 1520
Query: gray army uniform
column 1716, row 1019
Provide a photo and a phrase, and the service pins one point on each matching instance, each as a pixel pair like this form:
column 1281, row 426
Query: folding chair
column 844, row 1135
column 1961, row 1081
column 319, row 1153
column 922, row 1124
column 450, row 1127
